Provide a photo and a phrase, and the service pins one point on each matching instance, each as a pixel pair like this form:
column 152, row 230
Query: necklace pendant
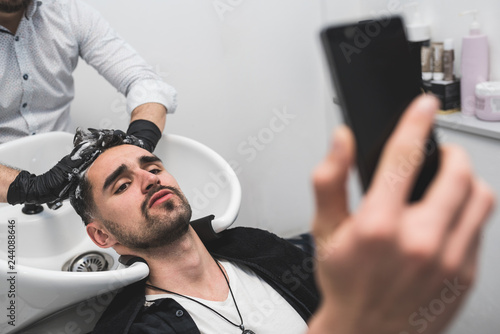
column 246, row 331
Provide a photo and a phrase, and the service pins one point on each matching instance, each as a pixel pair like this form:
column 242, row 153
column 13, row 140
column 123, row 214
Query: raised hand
column 391, row 266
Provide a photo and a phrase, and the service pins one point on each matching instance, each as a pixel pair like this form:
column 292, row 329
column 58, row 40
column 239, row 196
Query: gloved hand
column 146, row 131
column 50, row 186
column 62, row 179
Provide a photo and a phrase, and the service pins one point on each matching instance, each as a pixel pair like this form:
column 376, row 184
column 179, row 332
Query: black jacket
column 282, row 265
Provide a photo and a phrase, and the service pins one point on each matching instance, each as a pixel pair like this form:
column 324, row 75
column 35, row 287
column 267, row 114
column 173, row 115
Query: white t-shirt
column 262, row 308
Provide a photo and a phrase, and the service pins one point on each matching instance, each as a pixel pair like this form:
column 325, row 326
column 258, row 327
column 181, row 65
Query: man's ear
column 100, row 235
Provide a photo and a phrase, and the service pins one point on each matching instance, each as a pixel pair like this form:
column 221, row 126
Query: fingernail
column 428, row 103
column 338, row 140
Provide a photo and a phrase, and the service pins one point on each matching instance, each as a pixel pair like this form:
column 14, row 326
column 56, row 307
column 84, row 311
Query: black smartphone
column 375, row 80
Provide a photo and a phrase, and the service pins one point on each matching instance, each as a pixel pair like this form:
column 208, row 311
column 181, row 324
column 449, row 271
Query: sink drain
column 89, row 262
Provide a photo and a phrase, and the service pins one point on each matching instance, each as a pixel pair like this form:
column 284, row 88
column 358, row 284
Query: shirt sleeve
column 102, row 48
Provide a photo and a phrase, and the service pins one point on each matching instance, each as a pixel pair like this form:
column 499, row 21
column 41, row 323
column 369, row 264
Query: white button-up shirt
column 36, row 66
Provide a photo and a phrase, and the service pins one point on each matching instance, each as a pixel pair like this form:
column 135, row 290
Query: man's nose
column 149, row 180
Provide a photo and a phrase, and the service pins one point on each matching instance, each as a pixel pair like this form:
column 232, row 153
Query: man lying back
column 377, row 269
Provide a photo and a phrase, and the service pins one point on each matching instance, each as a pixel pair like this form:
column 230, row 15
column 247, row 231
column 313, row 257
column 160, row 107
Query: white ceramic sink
column 45, row 242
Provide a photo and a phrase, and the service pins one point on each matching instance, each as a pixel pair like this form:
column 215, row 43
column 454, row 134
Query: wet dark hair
column 84, row 204
column 92, row 143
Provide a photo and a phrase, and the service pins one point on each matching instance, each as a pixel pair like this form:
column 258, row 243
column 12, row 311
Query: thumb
column 330, row 182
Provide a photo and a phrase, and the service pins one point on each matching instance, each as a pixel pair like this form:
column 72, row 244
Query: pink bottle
column 475, row 65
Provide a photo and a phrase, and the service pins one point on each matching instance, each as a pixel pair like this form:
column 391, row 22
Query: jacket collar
column 270, row 256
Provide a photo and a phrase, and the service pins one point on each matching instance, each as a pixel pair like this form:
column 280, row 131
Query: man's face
column 12, row 6
column 137, row 200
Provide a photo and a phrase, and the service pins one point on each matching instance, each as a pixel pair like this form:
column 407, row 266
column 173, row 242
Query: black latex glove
column 146, row 131
column 62, row 179
column 49, row 186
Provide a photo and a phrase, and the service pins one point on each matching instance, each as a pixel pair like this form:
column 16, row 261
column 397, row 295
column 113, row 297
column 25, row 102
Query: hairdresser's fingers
column 403, row 154
column 330, row 182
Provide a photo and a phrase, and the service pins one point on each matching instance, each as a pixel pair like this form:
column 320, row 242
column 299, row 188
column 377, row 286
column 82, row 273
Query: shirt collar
column 32, row 8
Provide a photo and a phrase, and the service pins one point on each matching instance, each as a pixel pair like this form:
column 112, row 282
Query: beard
column 160, row 229
column 12, row 6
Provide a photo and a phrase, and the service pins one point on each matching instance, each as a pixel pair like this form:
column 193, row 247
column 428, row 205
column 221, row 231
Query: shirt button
column 179, row 313
column 25, row 77
column 25, row 105
column 16, row 38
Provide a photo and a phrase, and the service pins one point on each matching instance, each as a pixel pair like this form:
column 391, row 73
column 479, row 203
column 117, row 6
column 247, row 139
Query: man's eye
column 122, row 188
column 155, row 171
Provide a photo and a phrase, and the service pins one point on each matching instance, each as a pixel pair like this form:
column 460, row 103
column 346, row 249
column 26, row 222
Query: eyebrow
column 145, row 159
column 114, row 176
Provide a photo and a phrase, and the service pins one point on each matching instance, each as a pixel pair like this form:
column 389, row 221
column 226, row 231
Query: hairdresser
column 41, row 41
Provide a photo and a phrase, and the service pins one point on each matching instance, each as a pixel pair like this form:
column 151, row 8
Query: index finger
column 404, row 153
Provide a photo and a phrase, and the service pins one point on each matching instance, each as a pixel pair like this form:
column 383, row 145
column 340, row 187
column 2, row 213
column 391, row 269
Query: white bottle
column 418, row 34
column 474, row 66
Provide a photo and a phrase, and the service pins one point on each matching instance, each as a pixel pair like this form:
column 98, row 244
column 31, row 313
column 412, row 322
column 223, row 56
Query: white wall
column 235, row 68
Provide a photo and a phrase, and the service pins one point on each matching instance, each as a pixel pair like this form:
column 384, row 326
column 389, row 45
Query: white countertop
column 469, row 124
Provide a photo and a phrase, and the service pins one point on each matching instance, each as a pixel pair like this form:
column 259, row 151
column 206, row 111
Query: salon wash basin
column 37, row 293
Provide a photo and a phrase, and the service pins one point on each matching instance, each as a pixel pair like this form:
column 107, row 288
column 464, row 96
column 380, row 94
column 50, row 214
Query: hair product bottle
column 488, row 101
column 418, row 34
column 427, row 54
column 448, row 59
column 474, row 64
column 437, row 72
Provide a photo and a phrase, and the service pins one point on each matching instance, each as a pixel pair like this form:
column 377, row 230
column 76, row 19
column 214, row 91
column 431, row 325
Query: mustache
column 10, row 7
column 154, row 190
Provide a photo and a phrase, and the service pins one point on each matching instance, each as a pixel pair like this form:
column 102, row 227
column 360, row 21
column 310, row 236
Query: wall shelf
column 458, row 122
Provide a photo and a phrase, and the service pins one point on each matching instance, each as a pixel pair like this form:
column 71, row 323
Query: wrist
column 146, row 131
column 18, row 189
column 327, row 319
column 7, row 176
